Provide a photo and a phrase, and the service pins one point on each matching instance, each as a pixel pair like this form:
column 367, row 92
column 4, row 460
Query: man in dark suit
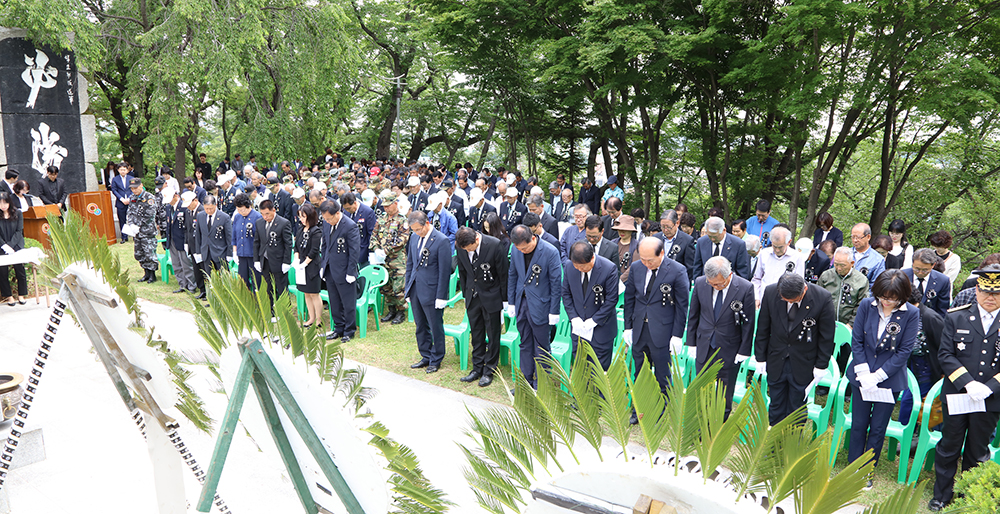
column 428, row 273
column 478, row 210
column 213, row 237
column 10, row 178
column 272, row 250
column 602, row 245
column 284, row 206
column 454, row 204
column 364, row 217
column 415, row 195
column 589, row 195
column 971, row 365
column 679, row 245
column 511, row 211
column 190, row 185
column 533, row 295
column 533, row 222
column 794, row 341
column 536, row 205
column 721, row 321
column 338, row 265
column 562, row 208
column 590, row 294
column 119, row 190
column 935, row 286
column 613, row 207
column 177, row 243
column 482, row 277
column 717, row 242
column 656, row 306
column 190, row 202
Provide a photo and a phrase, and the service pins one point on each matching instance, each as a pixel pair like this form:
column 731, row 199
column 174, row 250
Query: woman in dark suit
column 884, row 334
column 825, row 230
column 12, row 240
column 307, row 242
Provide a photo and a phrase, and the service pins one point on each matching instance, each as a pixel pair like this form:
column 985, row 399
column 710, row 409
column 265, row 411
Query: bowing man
column 721, row 321
column 794, row 340
column 428, row 272
column 272, row 250
column 934, row 286
column 533, row 295
column 339, row 265
column 482, row 277
column 590, row 295
column 717, row 242
column 656, row 306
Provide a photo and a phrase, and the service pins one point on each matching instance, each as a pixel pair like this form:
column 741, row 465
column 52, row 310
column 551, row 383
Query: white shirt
column 826, row 234
column 724, row 292
column 883, row 319
column 649, row 273
column 790, row 304
column 770, row 268
column 987, row 318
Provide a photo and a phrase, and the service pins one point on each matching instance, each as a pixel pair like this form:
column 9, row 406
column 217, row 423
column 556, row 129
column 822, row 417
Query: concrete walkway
column 96, row 460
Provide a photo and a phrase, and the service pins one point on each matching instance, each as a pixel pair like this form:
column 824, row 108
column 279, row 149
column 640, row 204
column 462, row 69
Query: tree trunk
column 180, row 162
column 383, row 147
column 486, row 144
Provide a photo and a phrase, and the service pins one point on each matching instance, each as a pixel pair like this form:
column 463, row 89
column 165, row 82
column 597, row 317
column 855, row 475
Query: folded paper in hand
column 878, row 395
column 964, row 404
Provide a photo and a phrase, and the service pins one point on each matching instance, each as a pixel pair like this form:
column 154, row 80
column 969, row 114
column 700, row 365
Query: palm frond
column 679, row 426
column 653, row 411
column 551, row 403
column 718, row 435
column 613, row 399
column 792, row 464
column 483, row 426
column 489, row 481
column 829, row 496
column 906, row 500
column 584, row 394
column 757, row 443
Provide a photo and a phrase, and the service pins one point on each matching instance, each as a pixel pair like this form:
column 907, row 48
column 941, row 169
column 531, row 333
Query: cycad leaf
column 555, row 404
column 718, row 435
column 652, row 409
column 828, row 496
column 906, row 500
column 612, row 388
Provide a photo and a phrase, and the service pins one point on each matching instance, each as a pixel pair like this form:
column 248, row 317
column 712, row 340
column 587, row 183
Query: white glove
column 818, row 373
column 438, row 303
column 576, row 325
column 198, row 258
column 589, row 324
column 880, row 374
column 978, row 390
column 7, row 249
column 185, row 248
column 869, row 381
column 322, row 271
column 761, row 368
column 676, row 345
column 231, row 258
column 381, row 253
column 627, row 337
column 285, row 268
column 861, row 369
column 350, row 279
column 256, row 266
column 553, row 319
column 510, row 310
column 740, row 359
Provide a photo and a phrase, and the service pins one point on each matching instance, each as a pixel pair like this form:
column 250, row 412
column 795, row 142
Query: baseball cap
column 298, row 193
column 412, row 181
column 511, row 191
column 186, row 198
column 475, row 196
column 135, row 182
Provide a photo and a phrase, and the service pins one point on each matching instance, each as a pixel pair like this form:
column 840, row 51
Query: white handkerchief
column 878, row 395
column 963, row 404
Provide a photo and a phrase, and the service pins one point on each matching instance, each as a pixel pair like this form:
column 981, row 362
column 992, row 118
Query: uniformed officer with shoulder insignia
column 141, row 216
column 970, row 359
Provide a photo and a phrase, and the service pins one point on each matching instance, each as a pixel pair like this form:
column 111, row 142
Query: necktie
column 920, row 285
column 652, row 278
column 210, row 221
column 792, row 312
column 586, row 282
column 269, row 226
column 718, row 304
column 987, row 322
column 475, row 257
column 715, row 253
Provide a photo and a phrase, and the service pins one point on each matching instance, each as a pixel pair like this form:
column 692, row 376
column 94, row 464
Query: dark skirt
column 312, row 285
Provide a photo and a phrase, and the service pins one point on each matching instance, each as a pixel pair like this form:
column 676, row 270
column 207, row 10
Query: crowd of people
column 732, row 291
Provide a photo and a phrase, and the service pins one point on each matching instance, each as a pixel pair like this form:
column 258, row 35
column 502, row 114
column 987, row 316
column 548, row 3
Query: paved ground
column 96, row 459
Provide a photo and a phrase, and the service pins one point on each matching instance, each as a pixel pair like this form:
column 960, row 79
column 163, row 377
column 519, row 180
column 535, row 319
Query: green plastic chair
column 510, row 344
column 841, row 337
column 166, row 267
column 820, row 414
column 375, row 277
column 300, row 297
column 461, row 333
column 454, row 295
column 927, row 438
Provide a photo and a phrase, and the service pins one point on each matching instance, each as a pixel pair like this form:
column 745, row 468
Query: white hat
column 510, row 179
column 186, row 198
column 412, row 181
column 475, row 196
column 403, row 204
column 368, row 197
column 804, row 246
column 436, row 200
column 535, row 190
column 168, row 193
column 248, row 168
column 298, row 193
column 511, row 191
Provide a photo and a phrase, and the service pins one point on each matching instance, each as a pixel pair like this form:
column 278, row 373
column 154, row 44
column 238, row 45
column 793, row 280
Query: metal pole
column 399, row 112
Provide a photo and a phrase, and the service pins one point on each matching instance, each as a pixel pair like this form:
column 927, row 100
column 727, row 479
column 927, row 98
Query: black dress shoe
column 202, row 296
column 485, row 380
column 432, row 369
column 471, row 377
column 634, row 419
column 332, row 336
column 345, row 339
column 400, row 317
column 935, row 505
column 422, row 363
column 387, row 317
column 181, row 290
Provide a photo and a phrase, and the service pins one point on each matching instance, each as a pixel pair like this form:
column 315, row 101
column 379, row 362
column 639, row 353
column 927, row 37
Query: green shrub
column 978, row 490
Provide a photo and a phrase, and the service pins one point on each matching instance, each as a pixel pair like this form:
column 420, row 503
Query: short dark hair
column 882, row 241
column 531, row 219
column 465, row 237
column 11, row 174
column 638, row 213
column 791, row 285
column 20, row 185
column 825, row 219
column 312, row 217
column 940, row 239
column 894, row 284
column 188, row 180
column 593, row 221
column 210, row 185
column 348, row 199
column 52, row 169
column 614, row 203
column 916, row 296
column 520, row 234
column 763, row 206
column 581, row 252
column 202, row 155
column 242, row 200
column 266, row 205
column 331, row 207
column 688, row 219
column 715, row 212
column 741, row 223
column 416, row 218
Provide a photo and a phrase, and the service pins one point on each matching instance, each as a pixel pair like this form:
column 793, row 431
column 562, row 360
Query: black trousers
column 277, row 283
column 122, row 211
column 485, row 336
column 430, row 327
column 19, row 275
column 659, row 357
column 245, row 270
column 868, row 423
column 786, row 394
column 199, row 272
column 727, row 375
column 973, row 430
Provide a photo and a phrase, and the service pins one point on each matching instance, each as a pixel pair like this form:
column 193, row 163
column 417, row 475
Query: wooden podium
column 35, row 224
column 96, row 209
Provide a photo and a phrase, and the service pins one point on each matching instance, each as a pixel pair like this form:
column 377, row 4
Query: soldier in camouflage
column 162, row 219
column 389, row 242
column 142, row 214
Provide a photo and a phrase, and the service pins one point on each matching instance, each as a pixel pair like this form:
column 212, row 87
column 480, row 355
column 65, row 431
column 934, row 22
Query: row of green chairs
column 375, row 276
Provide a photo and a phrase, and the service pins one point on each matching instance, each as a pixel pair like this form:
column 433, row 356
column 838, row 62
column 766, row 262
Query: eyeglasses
column 888, row 300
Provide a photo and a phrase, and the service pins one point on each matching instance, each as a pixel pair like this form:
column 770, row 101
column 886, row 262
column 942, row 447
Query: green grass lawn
column 393, row 348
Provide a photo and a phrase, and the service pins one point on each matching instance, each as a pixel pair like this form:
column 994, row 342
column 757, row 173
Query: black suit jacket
column 835, row 235
column 609, row 250
column 487, row 280
column 511, row 216
column 665, row 308
column 733, row 330
column 937, row 290
column 816, row 265
column 550, row 225
column 276, row 246
column 931, row 327
column 778, row 339
column 598, row 302
column 733, row 248
column 285, row 206
column 476, row 215
column 457, row 209
column 682, row 250
column 190, row 227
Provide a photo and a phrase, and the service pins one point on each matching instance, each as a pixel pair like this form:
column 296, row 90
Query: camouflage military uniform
column 142, row 211
column 162, row 221
column 390, row 235
column 379, row 184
